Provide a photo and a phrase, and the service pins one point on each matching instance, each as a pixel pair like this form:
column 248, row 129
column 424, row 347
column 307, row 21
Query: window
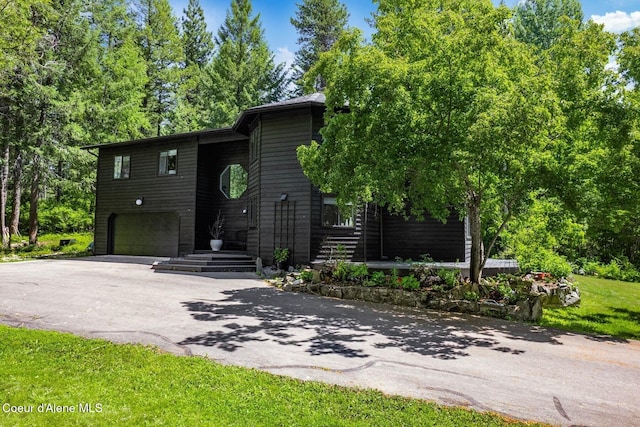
column 332, row 217
column 168, row 162
column 121, row 165
column 233, row 181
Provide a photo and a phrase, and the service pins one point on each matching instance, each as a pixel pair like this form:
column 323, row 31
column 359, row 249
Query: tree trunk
column 34, row 199
column 14, row 226
column 475, row 229
column 4, row 192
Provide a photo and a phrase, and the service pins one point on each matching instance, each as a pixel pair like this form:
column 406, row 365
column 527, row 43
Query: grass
column 136, row 385
column 48, row 246
column 608, row 307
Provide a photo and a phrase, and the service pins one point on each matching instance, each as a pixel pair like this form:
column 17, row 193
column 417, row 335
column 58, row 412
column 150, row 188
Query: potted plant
column 216, row 232
column 280, row 257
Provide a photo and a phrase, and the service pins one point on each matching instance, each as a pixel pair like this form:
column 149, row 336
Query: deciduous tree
column 444, row 110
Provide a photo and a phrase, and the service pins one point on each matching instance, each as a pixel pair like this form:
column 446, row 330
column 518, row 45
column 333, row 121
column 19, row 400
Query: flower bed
column 504, row 296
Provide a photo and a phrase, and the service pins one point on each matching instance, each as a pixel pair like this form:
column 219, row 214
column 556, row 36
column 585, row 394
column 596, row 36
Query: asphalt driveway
column 486, row 364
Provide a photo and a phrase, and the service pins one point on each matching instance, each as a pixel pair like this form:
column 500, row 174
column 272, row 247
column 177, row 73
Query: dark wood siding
column 162, row 194
column 412, row 238
column 212, row 159
column 253, row 192
column 284, row 223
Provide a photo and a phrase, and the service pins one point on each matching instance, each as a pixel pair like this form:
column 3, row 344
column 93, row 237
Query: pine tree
column 115, row 112
column 191, row 109
column 162, row 50
column 196, row 39
column 243, row 74
column 319, row 23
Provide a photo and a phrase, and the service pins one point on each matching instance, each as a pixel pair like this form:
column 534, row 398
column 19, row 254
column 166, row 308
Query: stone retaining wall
column 529, row 309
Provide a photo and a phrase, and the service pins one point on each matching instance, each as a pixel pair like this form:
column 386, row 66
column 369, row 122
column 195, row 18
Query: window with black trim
column 332, row 217
column 168, row 162
column 121, row 166
column 233, row 181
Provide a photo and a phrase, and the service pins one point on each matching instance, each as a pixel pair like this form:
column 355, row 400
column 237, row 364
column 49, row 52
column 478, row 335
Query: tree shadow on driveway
column 350, row 329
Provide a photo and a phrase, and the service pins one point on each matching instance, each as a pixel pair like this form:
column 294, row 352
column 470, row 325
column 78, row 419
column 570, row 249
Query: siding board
column 161, row 194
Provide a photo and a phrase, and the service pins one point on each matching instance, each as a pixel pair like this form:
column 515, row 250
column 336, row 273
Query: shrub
column 63, row 219
column 618, row 269
column 471, row 296
column 358, row 272
column 410, row 283
column 378, row 278
column 306, row 276
column 449, row 276
column 542, row 259
column 342, row 271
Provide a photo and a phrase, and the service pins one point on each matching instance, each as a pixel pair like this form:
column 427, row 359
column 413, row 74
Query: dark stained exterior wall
column 286, row 223
column 162, row 194
column 413, row 238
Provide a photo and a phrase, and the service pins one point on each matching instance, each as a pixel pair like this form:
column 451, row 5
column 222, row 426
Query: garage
column 155, row 234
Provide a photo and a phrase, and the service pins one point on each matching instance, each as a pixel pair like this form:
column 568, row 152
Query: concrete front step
column 205, row 268
column 205, row 262
column 218, row 255
column 208, row 261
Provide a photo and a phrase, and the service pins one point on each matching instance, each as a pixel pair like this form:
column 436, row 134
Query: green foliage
column 306, row 276
column 243, row 73
column 345, row 271
column 450, row 277
column 489, row 123
column 318, row 24
column 471, row 296
column 543, row 236
column 540, row 22
column 507, row 292
column 163, row 53
column 378, row 278
column 358, row 272
column 617, row 269
column 49, row 246
column 64, row 219
column 280, row 254
column 410, row 283
column 342, row 271
column 196, row 38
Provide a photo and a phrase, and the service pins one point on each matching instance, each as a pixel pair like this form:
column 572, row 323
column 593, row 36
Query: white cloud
column 617, row 22
column 284, row 55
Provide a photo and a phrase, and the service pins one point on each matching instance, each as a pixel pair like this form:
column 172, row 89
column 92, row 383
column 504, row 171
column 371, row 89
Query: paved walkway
column 486, row 364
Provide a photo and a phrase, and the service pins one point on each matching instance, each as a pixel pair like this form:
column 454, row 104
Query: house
column 157, row 196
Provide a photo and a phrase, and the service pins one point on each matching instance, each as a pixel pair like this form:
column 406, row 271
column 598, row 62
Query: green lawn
column 48, row 246
column 135, row 385
column 608, row 307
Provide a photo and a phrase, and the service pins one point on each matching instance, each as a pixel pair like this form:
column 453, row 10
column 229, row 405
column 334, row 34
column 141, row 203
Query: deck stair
column 209, row 262
column 334, row 247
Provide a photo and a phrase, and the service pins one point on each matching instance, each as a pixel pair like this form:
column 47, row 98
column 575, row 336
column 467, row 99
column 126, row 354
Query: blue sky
column 617, row 15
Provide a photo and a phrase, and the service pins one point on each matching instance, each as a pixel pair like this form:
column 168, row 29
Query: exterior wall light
column 283, row 197
column 139, row 201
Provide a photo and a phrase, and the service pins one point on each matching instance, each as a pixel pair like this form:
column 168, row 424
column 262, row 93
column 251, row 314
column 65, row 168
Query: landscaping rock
column 527, row 309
